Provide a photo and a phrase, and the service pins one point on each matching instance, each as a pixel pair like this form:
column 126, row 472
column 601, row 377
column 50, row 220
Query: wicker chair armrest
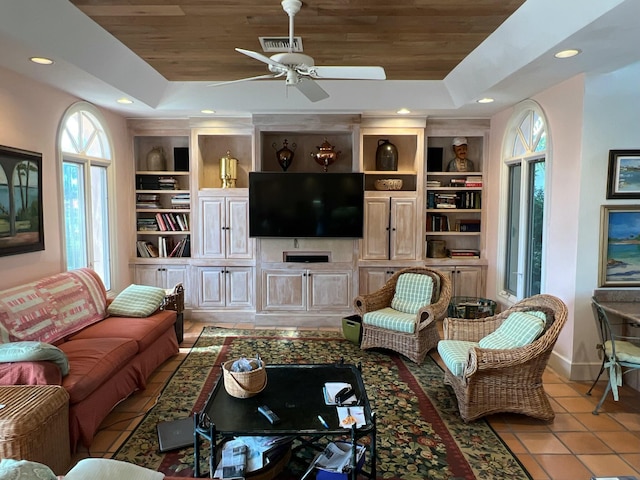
column 370, row 303
column 484, row 359
column 471, row 329
column 425, row 317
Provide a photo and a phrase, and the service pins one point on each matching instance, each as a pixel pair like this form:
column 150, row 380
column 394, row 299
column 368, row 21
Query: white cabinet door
column 163, row 276
column 329, row 290
column 238, row 243
column 211, row 288
column 284, row 289
column 239, row 286
column 403, row 229
column 375, row 242
column 212, row 221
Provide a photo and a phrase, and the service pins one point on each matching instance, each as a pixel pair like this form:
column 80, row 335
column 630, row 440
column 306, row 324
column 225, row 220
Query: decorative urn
column 326, row 155
column 285, row 154
column 228, row 170
column 156, row 160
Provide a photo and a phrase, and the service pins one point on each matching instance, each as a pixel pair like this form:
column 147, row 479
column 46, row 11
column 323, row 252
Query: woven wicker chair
column 505, row 380
column 425, row 337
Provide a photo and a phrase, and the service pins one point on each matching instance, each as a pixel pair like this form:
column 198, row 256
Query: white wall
column 587, row 116
column 30, row 114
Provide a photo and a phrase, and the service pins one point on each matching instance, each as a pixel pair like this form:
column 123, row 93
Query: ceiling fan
column 300, row 71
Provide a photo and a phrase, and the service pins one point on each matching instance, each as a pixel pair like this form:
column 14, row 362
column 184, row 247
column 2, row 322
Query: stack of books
column 147, row 200
column 433, row 183
column 147, row 224
column 437, row 223
column 463, row 253
column 446, row 200
column 181, row 200
column 457, row 182
column 172, row 222
column 473, row 181
column 167, row 183
column 147, row 182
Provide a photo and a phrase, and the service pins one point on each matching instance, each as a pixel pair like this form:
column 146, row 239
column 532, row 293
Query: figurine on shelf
column 461, row 163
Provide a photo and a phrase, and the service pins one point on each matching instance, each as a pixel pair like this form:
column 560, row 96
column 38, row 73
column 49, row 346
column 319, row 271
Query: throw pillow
column 107, row 469
column 24, row 470
column 137, row 301
column 413, row 291
column 517, row 330
column 31, row 351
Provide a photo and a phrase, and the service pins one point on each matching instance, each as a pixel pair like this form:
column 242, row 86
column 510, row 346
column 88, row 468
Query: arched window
column 525, row 159
column 85, row 172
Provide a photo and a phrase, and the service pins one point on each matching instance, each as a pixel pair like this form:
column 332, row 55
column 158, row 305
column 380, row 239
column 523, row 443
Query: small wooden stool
column 34, row 425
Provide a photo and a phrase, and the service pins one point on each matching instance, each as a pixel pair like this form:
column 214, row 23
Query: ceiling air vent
column 280, row 44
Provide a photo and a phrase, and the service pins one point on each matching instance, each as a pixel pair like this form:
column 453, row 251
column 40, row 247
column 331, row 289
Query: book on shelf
column 437, row 222
column 468, row 225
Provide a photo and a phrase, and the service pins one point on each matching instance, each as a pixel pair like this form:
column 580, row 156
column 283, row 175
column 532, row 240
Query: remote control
column 268, row 414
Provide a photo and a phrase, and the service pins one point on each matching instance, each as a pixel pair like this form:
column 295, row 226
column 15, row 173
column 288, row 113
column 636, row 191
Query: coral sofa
column 64, row 321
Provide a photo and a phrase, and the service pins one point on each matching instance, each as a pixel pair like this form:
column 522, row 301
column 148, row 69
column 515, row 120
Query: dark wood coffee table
column 294, row 393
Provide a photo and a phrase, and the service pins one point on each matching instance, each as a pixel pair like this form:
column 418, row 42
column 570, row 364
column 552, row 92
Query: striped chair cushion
column 454, row 354
column 137, row 301
column 518, row 329
column 413, row 291
column 391, row 319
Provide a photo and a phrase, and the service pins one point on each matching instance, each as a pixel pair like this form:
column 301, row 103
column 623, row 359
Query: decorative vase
column 326, row 155
column 156, row 159
column 285, row 154
column 386, row 155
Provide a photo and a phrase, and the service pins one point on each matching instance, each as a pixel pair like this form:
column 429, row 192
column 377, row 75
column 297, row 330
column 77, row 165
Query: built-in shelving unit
column 163, row 197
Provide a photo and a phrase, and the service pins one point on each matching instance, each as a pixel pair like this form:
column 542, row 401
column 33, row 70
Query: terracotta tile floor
column 575, row 446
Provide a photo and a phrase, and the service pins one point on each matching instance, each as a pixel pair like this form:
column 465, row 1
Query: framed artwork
column 21, row 225
column 620, row 246
column 624, row 174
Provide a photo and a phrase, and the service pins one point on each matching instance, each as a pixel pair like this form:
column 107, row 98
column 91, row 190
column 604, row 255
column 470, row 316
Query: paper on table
column 332, row 388
column 347, row 416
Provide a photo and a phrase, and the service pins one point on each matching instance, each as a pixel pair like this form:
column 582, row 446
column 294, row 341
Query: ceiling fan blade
column 259, row 77
column 260, row 57
column 311, row 89
column 348, row 73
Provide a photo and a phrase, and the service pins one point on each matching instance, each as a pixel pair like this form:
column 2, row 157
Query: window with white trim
column 525, row 162
column 86, row 169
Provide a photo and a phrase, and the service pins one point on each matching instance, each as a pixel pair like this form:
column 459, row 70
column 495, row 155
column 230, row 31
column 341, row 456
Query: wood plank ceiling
column 194, row 40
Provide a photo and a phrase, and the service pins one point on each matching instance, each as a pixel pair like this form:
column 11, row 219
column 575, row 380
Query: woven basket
column 244, row 384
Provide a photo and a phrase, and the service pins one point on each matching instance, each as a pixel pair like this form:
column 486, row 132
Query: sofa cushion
column 145, row 330
column 93, row 361
column 108, row 469
column 454, row 354
column 34, row 351
column 49, row 309
column 391, row 319
column 413, row 291
column 137, row 301
column 517, row 330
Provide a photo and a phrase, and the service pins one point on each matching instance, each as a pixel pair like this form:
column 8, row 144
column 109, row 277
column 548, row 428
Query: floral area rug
column 420, row 434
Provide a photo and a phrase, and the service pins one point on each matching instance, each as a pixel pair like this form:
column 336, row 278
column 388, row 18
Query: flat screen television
column 306, row 205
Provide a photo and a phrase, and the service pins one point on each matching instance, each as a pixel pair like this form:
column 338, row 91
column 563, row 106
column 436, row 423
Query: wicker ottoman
column 34, row 425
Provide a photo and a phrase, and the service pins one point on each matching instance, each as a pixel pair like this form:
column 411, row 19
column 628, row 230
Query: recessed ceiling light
column 485, row 100
column 41, row 60
column 208, row 111
column 125, row 101
column 567, row 53
column 403, row 111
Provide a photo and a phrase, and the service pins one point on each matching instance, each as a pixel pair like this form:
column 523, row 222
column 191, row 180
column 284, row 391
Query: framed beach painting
column 624, row 174
column 620, row 246
column 21, row 224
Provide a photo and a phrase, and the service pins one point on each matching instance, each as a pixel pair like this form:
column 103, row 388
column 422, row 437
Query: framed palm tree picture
column 21, row 222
